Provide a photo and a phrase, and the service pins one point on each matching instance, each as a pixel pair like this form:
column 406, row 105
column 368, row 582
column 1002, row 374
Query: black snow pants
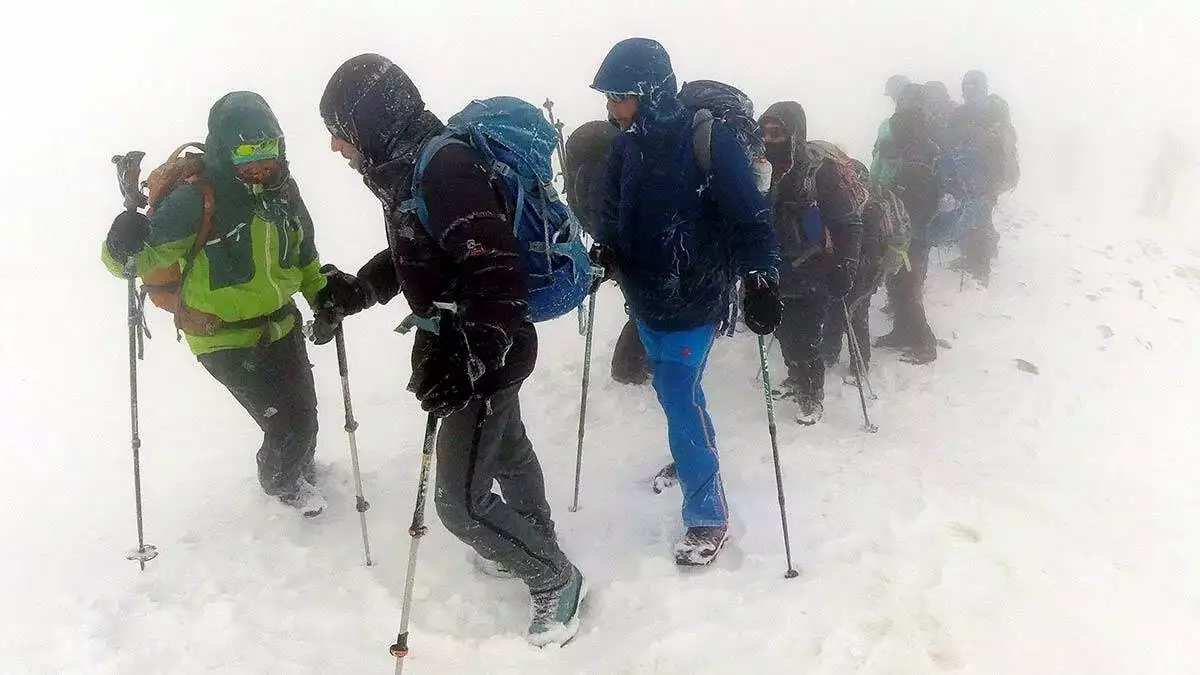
column 475, row 448
column 859, row 304
column 274, row 383
column 906, row 291
column 800, row 335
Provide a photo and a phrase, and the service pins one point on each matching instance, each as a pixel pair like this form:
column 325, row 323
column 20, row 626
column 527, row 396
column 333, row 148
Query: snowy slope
column 1000, row 521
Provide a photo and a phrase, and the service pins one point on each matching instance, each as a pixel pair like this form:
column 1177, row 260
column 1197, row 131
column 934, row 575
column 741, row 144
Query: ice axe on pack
column 129, row 168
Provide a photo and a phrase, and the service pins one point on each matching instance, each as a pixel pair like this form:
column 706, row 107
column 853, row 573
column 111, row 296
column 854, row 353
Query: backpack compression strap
column 702, row 124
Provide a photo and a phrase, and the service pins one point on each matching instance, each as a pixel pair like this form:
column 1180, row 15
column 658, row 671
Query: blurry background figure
column 587, row 159
column 1172, row 159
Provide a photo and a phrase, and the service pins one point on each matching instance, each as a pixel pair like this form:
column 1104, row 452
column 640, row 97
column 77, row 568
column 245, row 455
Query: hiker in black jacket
column 917, row 185
column 820, row 231
column 470, row 370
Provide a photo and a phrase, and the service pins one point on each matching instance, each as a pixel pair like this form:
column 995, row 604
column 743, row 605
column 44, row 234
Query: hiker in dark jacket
column 678, row 237
column 470, row 371
column 586, row 159
column 941, row 113
column 819, row 225
column 866, row 282
column 983, row 126
column 918, row 186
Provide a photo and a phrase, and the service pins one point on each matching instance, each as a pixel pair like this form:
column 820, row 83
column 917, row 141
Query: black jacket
column 806, row 263
column 917, row 183
column 466, row 255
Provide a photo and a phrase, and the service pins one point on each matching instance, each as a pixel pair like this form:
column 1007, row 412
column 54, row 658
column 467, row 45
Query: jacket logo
column 474, row 248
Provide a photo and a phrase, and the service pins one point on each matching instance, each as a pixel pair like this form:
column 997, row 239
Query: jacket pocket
column 230, row 258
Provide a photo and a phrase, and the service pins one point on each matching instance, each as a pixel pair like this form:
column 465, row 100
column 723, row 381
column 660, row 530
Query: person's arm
column 468, row 222
column 838, row 212
column 753, row 243
column 173, row 229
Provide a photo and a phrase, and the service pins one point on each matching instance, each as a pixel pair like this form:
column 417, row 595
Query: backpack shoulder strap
column 416, row 202
column 702, row 124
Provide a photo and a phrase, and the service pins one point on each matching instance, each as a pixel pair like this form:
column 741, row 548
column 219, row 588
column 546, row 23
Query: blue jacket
column 680, row 237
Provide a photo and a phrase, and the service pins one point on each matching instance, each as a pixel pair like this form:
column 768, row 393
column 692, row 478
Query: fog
column 1092, row 86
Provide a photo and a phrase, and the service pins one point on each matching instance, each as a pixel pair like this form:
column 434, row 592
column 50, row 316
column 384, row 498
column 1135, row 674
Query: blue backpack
column 516, row 142
column 964, row 180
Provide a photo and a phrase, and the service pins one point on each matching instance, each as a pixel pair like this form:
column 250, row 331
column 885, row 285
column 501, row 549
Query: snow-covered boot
column 812, row 409
column 892, row 340
column 785, row 390
column 920, row 354
column 700, row 545
column 305, row 498
column 666, row 478
column 556, row 612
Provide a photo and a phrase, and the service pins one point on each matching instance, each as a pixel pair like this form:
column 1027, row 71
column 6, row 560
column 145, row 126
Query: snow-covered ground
column 999, row 522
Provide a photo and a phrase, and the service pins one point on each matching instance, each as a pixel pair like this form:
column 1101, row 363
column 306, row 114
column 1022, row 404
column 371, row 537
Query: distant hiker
column 884, row 159
column 918, row 186
column 1172, row 159
column 885, row 243
column 459, row 266
column 816, row 201
column 941, row 112
column 227, row 244
column 982, row 125
column 587, row 157
column 678, row 236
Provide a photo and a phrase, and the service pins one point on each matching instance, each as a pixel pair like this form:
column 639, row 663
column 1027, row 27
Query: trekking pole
column 560, row 146
column 856, row 351
column 361, row 505
column 128, row 170
column 587, row 376
column 787, row 542
column 416, row 531
column 858, row 374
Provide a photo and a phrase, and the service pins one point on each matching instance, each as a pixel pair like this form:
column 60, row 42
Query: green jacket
column 260, row 251
column 885, row 158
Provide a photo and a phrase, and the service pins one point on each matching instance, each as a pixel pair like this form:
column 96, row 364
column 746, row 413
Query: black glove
column 343, row 294
column 761, row 305
column 841, row 278
column 128, row 235
column 443, row 373
column 604, row 258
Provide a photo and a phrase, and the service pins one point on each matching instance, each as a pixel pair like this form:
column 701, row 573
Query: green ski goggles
column 256, row 152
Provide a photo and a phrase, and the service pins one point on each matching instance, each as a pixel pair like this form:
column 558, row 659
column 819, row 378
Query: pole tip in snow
column 870, row 428
column 400, row 649
column 791, row 574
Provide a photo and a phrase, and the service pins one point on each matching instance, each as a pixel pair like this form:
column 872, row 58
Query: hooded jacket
column 466, row 255
column 806, row 263
column 680, row 237
column 985, row 128
column 260, row 251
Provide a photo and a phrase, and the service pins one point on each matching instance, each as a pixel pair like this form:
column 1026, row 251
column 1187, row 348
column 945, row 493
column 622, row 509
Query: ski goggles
column 617, row 98
column 256, row 152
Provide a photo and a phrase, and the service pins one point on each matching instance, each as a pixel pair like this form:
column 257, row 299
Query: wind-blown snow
column 1000, row 521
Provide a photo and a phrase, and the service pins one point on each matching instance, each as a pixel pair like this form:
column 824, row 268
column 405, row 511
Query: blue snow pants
column 679, row 359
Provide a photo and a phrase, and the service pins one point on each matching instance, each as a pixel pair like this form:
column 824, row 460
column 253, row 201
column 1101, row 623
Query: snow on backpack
column 165, row 286
column 964, row 182
column 818, row 152
column 516, row 143
column 709, row 100
column 891, row 217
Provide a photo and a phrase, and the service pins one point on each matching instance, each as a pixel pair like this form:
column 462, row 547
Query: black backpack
column 709, row 100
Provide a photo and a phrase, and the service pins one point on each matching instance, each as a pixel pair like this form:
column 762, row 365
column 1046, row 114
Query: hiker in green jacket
column 885, row 157
column 226, row 244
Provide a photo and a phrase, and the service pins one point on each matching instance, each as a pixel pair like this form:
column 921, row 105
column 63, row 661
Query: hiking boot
column 666, row 478
column 305, row 498
column 556, row 612
column 920, row 354
column 785, row 390
column 812, row 409
column 700, row 545
column 892, row 340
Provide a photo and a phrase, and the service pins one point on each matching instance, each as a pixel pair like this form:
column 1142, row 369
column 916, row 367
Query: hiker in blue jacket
column 679, row 237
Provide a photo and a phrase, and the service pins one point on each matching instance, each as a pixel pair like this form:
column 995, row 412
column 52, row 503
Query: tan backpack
column 165, row 286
